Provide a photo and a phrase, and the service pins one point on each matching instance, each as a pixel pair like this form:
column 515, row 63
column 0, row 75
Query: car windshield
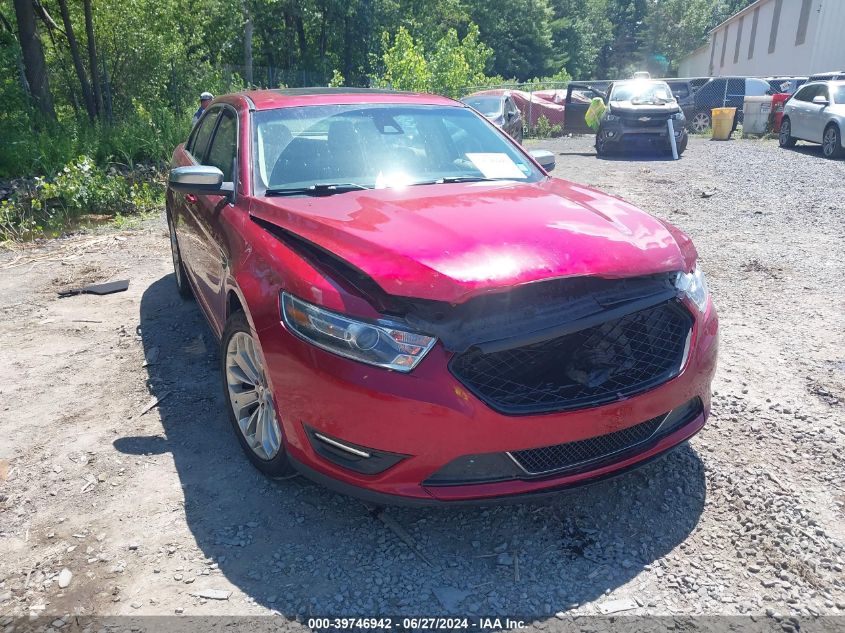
column 488, row 106
column 652, row 92
column 336, row 148
column 839, row 94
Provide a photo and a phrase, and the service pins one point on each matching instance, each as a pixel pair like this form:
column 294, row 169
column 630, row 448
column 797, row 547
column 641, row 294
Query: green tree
column 520, row 34
column 456, row 64
column 405, row 65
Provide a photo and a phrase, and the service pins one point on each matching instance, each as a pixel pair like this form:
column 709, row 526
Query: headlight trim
column 367, row 342
column 694, row 286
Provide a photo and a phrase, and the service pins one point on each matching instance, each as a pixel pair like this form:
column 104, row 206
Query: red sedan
column 411, row 309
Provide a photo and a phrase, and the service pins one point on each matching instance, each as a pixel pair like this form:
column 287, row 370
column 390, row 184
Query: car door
column 798, row 110
column 578, row 97
column 735, row 93
column 185, row 204
column 210, row 258
column 512, row 122
column 816, row 115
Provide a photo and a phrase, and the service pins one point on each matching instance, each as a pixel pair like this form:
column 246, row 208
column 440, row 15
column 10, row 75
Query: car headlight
column 678, row 116
column 378, row 344
column 694, row 286
column 610, row 118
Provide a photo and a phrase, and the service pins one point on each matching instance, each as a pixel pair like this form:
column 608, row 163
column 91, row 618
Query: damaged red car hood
column 449, row 242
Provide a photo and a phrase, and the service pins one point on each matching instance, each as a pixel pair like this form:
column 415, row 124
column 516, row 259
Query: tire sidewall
column 280, row 464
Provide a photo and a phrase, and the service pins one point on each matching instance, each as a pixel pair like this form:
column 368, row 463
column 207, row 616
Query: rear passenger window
column 224, row 146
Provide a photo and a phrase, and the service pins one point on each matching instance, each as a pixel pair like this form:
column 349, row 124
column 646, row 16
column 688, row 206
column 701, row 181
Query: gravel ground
column 157, row 512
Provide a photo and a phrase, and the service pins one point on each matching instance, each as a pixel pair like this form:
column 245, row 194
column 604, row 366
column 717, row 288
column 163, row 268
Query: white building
column 771, row 38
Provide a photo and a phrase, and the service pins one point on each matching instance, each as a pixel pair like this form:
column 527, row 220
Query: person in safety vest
column 595, row 112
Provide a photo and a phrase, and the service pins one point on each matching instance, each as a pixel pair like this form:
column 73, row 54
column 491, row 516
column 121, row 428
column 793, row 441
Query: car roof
column 291, row 97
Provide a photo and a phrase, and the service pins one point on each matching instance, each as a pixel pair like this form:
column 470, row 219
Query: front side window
column 224, row 147
column 807, row 93
column 378, row 146
column 680, row 90
column 205, row 127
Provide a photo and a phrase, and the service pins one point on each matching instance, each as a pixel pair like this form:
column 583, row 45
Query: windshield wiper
column 452, row 179
column 322, row 189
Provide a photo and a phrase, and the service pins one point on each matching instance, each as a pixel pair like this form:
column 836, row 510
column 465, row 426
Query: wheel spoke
column 248, row 424
column 243, row 399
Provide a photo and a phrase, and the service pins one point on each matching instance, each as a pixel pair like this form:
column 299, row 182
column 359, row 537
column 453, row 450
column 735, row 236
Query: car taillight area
column 597, row 365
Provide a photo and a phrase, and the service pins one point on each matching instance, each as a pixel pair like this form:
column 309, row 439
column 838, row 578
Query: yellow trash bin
column 723, row 122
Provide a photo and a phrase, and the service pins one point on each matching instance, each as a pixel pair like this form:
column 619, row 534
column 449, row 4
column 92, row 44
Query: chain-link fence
column 542, row 106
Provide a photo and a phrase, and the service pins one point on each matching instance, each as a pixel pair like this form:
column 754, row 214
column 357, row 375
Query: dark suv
column 684, row 90
column 723, row 92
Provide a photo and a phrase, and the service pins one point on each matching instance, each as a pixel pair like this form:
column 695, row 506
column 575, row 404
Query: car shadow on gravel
column 300, row 549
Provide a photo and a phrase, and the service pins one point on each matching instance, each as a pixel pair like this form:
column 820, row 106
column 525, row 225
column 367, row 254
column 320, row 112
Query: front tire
column 602, row 143
column 785, row 138
column 250, row 402
column 832, row 142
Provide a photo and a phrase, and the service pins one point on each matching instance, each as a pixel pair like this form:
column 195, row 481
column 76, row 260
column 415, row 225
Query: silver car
column 816, row 113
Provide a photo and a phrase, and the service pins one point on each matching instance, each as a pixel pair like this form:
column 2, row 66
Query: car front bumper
column 625, row 132
column 429, row 419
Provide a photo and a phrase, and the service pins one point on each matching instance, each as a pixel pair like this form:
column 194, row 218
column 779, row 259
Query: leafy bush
column 544, row 129
column 337, row 79
column 144, row 137
column 80, row 189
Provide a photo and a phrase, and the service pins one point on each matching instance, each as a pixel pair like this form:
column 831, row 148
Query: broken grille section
column 537, row 461
column 596, row 365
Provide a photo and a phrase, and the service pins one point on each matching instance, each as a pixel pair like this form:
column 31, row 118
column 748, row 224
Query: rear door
column 578, row 97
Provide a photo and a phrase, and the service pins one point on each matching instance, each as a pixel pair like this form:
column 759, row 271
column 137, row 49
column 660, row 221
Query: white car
column 816, row 113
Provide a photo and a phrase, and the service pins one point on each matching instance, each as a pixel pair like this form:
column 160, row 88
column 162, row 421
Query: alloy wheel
column 250, row 396
column 829, row 142
column 700, row 122
column 785, row 132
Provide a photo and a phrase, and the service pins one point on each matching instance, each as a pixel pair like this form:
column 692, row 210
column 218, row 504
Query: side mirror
column 544, row 157
column 821, row 100
column 202, row 179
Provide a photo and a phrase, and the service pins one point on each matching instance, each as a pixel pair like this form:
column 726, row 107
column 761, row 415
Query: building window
column 803, row 20
column 724, row 43
column 738, row 39
column 773, row 34
column 754, row 21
